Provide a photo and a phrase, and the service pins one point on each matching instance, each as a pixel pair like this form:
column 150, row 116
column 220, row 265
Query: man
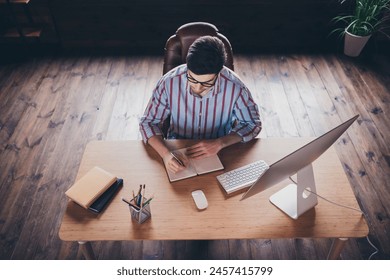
column 204, row 100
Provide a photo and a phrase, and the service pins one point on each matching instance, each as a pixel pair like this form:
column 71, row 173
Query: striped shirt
column 227, row 107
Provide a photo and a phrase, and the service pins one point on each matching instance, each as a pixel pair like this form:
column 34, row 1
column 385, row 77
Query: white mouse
column 200, row 199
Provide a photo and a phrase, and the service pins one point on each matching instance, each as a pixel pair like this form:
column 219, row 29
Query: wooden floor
column 50, row 107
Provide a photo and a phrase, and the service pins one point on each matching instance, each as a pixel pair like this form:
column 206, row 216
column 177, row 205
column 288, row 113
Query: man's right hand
column 172, row 164
column 157, row 143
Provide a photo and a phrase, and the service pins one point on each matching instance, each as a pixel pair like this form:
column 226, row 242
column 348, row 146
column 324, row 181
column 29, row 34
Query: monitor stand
column 294, row 200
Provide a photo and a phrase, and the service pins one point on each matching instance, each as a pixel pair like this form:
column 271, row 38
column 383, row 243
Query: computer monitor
column 294, row 199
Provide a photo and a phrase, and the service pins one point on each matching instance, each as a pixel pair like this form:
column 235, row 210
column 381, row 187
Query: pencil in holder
column 142, row 214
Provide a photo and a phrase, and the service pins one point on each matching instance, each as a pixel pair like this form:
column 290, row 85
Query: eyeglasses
column 208, row 83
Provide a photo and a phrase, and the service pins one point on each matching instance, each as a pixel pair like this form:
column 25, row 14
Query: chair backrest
column 176, row 47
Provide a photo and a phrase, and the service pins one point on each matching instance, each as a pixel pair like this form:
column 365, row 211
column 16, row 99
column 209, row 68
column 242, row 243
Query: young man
column 204, row 100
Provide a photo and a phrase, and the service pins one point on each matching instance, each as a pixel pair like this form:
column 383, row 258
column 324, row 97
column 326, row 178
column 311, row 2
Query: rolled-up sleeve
column 247, row 118
column 155, row 113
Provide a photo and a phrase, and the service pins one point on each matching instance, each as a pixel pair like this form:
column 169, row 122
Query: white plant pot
column 354, row 44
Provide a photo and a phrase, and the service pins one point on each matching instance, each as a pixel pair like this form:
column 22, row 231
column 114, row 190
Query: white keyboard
column 242, row 177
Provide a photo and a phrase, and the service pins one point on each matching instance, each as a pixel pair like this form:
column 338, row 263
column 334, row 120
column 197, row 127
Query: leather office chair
column 176, row 47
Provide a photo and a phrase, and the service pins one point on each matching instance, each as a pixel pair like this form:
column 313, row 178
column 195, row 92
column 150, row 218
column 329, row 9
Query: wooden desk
column 175, row 217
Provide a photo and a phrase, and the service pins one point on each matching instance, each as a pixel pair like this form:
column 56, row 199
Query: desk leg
column 86, row 250
column 336, row 248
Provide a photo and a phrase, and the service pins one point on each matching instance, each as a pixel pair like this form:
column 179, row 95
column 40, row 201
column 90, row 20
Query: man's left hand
column 204, row 148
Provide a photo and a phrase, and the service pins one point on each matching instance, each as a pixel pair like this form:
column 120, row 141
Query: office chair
column 176, row 49
column 177, row 45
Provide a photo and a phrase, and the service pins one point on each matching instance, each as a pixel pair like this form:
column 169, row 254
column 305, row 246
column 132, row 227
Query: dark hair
column 206, row 55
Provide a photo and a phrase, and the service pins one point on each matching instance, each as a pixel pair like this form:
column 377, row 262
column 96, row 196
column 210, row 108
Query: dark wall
column 251, row 25
column 145, row 25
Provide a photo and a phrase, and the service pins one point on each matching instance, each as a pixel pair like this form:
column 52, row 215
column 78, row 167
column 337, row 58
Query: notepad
column 195, row 167
column 91, row 186
column 102, row 201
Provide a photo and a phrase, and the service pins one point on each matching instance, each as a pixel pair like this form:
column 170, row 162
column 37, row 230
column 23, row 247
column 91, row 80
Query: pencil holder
column 140, row 215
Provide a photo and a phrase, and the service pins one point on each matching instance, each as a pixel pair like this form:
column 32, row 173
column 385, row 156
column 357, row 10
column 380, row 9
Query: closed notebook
column 90, row 186
column 101, row 202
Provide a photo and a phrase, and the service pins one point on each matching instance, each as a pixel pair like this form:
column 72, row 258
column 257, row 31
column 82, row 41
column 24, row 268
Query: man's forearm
column 230, row 139
column 157, row 143
column 209, row 147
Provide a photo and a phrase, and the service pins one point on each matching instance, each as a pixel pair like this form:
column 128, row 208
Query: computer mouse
column 199, row 199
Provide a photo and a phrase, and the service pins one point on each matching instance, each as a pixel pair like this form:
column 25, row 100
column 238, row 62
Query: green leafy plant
column 368, row 16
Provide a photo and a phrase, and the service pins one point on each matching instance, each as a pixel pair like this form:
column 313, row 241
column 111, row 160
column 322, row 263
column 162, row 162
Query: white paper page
column 208, row 164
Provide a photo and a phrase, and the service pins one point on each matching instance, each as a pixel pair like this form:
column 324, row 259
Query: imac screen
column 297, row 160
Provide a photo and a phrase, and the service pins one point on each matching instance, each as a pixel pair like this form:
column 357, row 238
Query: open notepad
column 195, row 167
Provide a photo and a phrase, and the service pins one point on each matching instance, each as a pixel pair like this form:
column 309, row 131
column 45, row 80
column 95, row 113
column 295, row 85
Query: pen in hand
column 177, row 159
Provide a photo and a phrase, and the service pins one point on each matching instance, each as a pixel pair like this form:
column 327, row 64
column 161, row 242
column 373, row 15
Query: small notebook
column 91, row 186
column 195, row 167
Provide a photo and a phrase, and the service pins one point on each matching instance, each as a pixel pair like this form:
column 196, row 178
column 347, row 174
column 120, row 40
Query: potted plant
column 367, row 17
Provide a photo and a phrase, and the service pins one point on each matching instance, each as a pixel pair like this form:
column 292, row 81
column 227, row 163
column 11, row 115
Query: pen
column 124, row 200
column 139, row 190
column 142, row 197
column 129, row 203
column 138, row 201
column 141, row 204
column 147, row 202
column 177, row 159
column 137, row 197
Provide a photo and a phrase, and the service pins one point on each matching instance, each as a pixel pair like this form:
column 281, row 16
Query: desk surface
column 175, row 216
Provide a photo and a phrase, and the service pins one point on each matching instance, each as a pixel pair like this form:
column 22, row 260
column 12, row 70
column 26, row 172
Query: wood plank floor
column 50, row 107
